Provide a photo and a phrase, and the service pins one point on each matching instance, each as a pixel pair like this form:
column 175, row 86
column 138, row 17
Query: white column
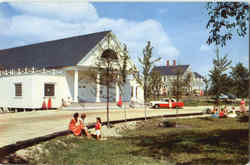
column 98, row 88
column 76, row 87
column 134, row 93
column 117, row 92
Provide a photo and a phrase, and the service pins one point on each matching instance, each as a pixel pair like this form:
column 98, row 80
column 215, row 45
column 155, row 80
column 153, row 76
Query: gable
column 110, row 41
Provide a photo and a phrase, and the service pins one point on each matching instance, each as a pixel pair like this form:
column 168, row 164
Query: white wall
column 7, row 91
column 62, row 90
column 33, row 90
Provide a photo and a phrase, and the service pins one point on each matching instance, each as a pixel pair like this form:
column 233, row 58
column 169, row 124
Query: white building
column 30, row 75
column 169, row 73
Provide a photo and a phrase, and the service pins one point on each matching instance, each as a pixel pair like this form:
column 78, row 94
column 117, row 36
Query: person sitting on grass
column 222, row 113
column 214, row 110
column 225, row 110
column 232, row 114
column 74, row 126
column 84, row 125
column 98, row 127
column 215, row 113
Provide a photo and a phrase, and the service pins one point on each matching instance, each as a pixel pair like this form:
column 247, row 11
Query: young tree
column 240, row 78
column 218, row 77
column 178, row 84
column 155, row 84
column 146, row 63
column 206, row 81
column 224, row 17
column 188, row 82
column 112, row 70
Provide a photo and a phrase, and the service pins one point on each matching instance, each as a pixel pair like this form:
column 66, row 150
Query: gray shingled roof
column 197, row 75
column 171, row 70
column 57, row 53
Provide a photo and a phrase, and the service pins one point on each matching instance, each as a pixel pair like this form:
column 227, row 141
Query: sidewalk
column 25, row 125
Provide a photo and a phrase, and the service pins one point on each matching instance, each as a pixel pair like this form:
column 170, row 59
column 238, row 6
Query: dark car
column 231, row 96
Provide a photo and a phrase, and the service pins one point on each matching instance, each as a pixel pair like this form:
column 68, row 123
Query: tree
column 155, row 84
column 240, row 78
column 206, row 81
column 112, row 70
column 146, row 63
column 224, row 17
column 218, row 77
column 178, row 84
column 188, row 82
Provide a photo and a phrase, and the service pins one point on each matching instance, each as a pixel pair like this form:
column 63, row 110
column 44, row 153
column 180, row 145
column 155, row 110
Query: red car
column 166, row 103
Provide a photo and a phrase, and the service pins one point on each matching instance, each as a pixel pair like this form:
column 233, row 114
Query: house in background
column 169, row 73
column 32, row 74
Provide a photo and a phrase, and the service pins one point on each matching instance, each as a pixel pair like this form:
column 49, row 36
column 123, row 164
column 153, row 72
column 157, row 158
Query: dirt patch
column 116, row 129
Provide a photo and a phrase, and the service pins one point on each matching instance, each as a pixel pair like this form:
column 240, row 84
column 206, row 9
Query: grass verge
column 204, row 141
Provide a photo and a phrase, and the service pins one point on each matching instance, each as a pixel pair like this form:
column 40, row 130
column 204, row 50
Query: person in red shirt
column 221, row 114
column 74, row 125
column 98, row 127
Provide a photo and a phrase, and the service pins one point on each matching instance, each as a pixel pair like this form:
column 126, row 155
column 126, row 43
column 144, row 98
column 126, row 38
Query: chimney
column 167, row 63
column 174, row 63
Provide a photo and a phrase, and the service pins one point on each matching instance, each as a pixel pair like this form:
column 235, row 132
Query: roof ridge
column 107, row 31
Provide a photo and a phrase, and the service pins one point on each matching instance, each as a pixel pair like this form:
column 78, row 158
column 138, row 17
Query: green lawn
column 204, row 141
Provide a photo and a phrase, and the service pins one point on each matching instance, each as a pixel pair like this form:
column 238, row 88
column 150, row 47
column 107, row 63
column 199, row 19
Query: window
column 49, row 89
column 18, row 89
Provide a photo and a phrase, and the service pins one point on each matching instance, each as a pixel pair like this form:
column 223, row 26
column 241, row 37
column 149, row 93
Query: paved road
column 25, row 125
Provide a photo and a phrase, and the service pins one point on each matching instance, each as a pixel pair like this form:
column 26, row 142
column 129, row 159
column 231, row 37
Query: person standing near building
column 242, row 106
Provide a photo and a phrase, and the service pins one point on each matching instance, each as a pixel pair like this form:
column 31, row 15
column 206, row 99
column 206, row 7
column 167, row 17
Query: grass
column 204, row 141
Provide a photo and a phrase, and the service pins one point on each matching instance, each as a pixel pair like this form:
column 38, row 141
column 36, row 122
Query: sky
column 177, row 30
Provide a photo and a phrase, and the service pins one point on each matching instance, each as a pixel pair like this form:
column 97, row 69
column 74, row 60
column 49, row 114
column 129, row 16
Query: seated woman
column 216, row 113
column 225, row 110
column 74, row 126
column 84, row 125
column 232, row 113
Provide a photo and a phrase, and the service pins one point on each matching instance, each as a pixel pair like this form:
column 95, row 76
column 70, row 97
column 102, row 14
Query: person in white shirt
column 83, row 124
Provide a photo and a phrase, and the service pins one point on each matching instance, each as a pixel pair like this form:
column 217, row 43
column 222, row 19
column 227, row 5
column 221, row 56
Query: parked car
column 165, row 103
column 221, row 97
column 228, row 98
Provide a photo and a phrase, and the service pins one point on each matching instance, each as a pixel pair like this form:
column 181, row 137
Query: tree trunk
column 107, row 104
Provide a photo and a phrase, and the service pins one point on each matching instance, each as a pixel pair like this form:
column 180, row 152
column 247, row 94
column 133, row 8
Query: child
column 98, row 127
column 216, row 113
column 222, row 113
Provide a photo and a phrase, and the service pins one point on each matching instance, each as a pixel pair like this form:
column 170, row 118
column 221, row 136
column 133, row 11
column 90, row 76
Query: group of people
column 79, row 127
column 224, row 112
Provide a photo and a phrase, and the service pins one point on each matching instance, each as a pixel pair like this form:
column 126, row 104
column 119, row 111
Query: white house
column 30, row 75
column 169, row 73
